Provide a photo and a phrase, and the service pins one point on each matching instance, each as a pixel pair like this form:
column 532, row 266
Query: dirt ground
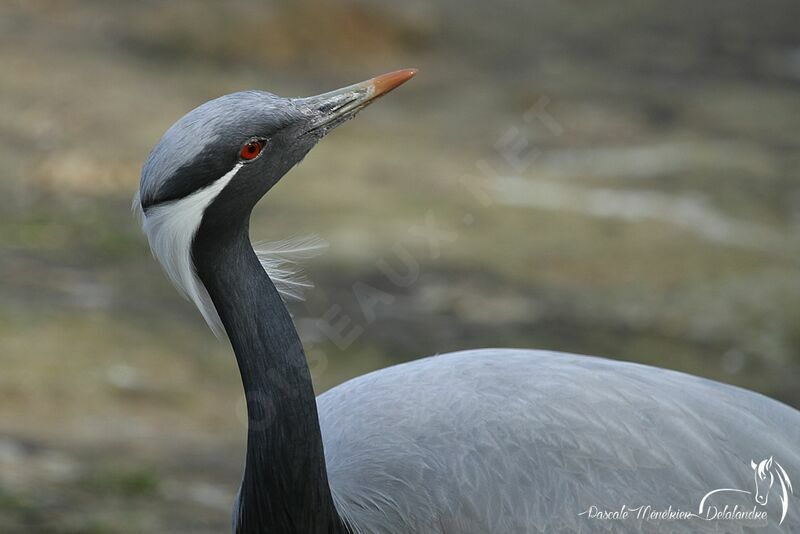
column 614, row 178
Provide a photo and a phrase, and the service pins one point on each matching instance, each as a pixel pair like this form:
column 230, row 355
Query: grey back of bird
column 519, row 441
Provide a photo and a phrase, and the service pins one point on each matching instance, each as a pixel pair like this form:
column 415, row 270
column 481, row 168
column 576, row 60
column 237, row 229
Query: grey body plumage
column 518, row 441
column 500, row 441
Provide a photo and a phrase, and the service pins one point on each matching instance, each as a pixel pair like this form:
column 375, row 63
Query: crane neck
column 285, row 484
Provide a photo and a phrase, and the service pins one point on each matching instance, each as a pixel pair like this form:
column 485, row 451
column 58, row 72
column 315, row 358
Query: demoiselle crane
column 484, row 441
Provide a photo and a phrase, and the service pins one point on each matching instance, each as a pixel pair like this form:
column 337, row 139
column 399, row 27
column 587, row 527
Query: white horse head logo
column 766, row 471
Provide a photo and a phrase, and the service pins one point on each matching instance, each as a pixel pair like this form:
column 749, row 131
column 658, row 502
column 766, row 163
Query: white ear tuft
column 170, row 228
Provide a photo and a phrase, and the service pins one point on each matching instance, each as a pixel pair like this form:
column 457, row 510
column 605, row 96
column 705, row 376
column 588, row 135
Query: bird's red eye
column 252, row 149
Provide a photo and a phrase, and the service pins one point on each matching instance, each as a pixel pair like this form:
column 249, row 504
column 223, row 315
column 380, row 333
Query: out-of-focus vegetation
column 617, row 178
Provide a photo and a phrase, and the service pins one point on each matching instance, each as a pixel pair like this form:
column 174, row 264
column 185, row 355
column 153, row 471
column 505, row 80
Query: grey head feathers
column 202, row 146
column 198, row 177
column 192, row 163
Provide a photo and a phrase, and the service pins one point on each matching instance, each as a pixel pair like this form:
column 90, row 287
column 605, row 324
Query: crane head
column 261, row 134
column 213, row 165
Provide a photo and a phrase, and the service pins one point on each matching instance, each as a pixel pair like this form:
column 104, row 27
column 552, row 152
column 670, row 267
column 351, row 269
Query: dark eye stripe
column 204, row 170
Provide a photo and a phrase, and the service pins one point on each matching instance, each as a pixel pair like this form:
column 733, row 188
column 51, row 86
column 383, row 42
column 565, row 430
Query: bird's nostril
column 341, row 105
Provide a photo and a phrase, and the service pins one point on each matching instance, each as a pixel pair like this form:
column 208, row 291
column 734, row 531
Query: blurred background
column 615, row 178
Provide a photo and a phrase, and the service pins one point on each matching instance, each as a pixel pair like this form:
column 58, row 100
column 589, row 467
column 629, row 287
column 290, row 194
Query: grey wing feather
column 515, row 441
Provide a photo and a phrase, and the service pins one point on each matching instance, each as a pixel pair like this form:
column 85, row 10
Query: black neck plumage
column 285, row 484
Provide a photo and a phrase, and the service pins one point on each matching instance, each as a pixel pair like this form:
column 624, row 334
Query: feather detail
column 280, row 260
